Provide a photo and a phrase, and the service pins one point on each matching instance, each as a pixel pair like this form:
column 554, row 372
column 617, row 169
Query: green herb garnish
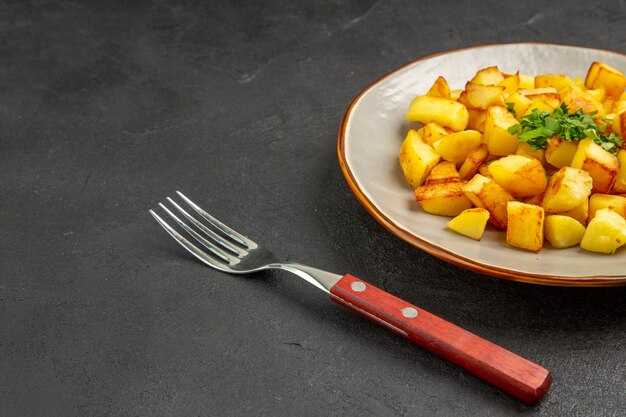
column 538, row 126
column 511, row 108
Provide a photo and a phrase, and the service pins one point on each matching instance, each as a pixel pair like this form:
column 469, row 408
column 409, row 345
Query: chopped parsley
column 538, row 126
column 511, row 108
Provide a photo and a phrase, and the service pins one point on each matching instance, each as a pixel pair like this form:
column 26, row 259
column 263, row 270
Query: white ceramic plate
column 372, row 131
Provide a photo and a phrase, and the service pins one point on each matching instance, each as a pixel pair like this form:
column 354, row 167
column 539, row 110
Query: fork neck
column 323, row 280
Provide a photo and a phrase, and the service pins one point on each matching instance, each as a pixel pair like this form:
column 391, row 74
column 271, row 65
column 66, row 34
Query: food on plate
column 563, row 231
column 444, row 111
column 566, row 190
column 488, row 194
column 538, row 156
column 598, row 201
column 445, row 199
column 600, row 164
column 456, row 146
column 524, row 225
column 416, row 158
column 497, row 137
column 523, row 176
column 605, row 232
column 470, row 223
column 444, row 171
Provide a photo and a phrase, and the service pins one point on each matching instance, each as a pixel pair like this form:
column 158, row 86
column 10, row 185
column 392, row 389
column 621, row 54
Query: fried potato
column 510, row 84
column 556, row 81
column 525, row 226
column 520, row 102
column 567, row 189
column 477, row 118
column 521, row 176
column 600, row 201
column 499, row 141
column 537, row 91
column 567, row 192
column 526, row 81
column 488, row 76
column 580, row 213
column 576, row 99
column 446, row 112
column 416, row 159
column 605, row 233
column 456, row 146
column 445, row 199
column 488, row 194
column 432, row 132
column 480, row 96
column 524, row 149
column 599, row 163
column 562, row 231
column 559, row 152
column 440, row 88
column 470, row 223
column 610, row 79
column 444, row 171
column 472, row 163
column 619, row 186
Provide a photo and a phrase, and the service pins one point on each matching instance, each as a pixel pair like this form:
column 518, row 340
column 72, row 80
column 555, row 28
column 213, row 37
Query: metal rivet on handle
column 409, row 312
column 357, row 286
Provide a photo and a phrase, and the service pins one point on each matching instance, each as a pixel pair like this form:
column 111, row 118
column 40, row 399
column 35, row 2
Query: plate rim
column 439, row 252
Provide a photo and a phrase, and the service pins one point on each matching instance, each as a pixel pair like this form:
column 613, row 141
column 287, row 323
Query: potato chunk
column 605, row 233
column 562, row 231
column 519, row 175
column 579, row 213
column 600, row 201
column 510, row 84
column 526, row 81
column 620, row 179
column 525, row 226
column 416, row 158
column 557, row 81
column 605, row 76
column 575, row 99
column 560, row 152
column 470, row 223
column 520, row 102
column 499, row 141
column 482, row 96
column 599, row 163
column 477, row 119
column 444, row 171
column 456, row 146
column 567, row 189
column 488, row 76
column 446, row 112
column 440, row 88
column 472, row 163
column 488, row 194
column 525, row 150
column 433, row 132
column 445, row 199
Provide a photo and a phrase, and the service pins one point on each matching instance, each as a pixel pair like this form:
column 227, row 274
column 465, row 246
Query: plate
column 374, row 127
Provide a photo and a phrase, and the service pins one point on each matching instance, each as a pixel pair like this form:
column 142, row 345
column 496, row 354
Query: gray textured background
column 106, row 107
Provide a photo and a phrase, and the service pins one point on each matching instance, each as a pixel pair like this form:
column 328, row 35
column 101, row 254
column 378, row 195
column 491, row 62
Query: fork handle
column 504, row 369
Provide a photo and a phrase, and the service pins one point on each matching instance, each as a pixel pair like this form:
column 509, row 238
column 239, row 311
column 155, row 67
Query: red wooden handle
column 511, row 373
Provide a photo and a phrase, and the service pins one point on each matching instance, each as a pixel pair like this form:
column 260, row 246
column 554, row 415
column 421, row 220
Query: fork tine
column 193, row 249
column 210, row 233
column 210, row 246
column 239, row 238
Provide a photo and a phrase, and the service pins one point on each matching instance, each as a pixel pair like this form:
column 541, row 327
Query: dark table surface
column 107, row 107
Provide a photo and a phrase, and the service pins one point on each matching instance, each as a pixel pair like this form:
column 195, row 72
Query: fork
column 224, row 249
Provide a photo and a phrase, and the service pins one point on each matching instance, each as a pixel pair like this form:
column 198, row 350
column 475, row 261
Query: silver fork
column 223, row 248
